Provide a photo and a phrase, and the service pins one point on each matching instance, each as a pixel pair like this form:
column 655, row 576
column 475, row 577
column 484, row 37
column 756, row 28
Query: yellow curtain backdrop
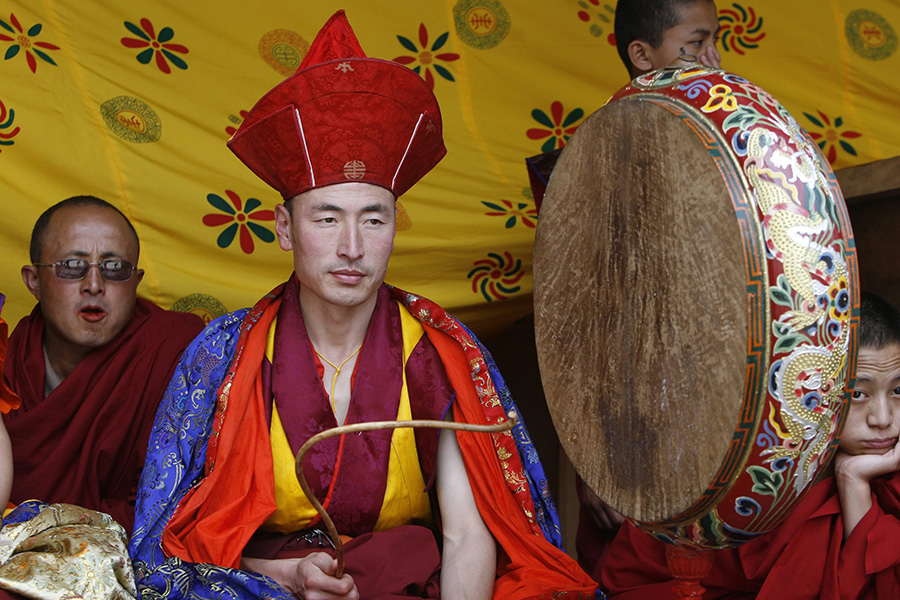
column 133, row 102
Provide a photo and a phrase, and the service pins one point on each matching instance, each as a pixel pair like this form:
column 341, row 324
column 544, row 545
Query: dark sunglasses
column 111, row 269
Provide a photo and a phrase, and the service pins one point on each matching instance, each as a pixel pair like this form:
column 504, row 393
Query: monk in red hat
column 220, row 510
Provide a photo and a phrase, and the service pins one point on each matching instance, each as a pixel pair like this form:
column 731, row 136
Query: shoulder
column 218, row 338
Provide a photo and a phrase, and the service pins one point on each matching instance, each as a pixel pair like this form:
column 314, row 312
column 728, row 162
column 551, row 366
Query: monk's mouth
column 92, row 313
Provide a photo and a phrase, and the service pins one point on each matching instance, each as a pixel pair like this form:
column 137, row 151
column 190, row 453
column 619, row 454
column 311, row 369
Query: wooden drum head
column 694, row 300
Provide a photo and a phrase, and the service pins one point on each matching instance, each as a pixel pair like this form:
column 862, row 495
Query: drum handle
column 510, row 422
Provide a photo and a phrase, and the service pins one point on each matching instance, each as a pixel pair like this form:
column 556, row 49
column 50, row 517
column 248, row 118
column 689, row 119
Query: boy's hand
column 865, row 467
column 853, row 474
column 711, row 57
column 601, row 513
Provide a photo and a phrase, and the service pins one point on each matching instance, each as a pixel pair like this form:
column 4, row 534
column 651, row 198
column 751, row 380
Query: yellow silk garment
column 65, row 552
column 405, row 500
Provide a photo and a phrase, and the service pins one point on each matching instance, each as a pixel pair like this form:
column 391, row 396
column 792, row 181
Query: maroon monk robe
column 803, row 558
column 85, row 443
column 305, row 409
column 294, row 383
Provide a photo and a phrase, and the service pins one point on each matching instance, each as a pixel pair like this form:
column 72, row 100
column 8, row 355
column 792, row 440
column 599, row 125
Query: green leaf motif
column 542, row 118
column 137, row 31
column 165, row 34
column 847, row 147
column 779, row 296
column 175, row 60
column 765, row 482
column 743, row 118
column 573, row 116
column 252, row 204
column 219, row 202
column 408, row 44
column 443, row 72
column 227, row 236
column 439, row 43
column 146, row 56
column 814, row 120
column 788, row 343
column 44, row 56
column 549, row 145
column 261, row 232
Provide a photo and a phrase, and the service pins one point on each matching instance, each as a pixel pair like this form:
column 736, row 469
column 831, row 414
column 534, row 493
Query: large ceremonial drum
column 695, row 306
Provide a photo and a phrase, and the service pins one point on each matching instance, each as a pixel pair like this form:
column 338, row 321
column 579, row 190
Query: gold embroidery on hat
column 354, row 169
column 343, row 67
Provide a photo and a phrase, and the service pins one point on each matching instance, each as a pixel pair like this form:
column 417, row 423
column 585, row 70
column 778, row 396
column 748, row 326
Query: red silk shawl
column 216, row 518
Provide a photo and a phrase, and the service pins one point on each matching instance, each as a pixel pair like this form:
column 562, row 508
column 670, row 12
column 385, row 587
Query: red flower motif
column 496, row 276
column 739, row 29
column 6, row 121
column 239, row 218
column 426, row 57
column 522, row 210
column 830, row 136
column 23, row 41
column 156, row 45
column 559, row 130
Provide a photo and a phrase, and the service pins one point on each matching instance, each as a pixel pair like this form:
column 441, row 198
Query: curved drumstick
column 510, row 422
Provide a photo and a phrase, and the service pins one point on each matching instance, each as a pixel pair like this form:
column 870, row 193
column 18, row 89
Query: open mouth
column 92, row 313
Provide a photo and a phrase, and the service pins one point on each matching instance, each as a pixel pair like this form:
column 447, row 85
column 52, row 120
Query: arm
column 601, row 513
column 853, row 474
column 469, row 561
column 307, row 578
column 6, row 464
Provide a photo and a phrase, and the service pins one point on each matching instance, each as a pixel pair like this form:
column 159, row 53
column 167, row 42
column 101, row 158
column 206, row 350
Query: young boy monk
column 843, row 539
column 651, row 34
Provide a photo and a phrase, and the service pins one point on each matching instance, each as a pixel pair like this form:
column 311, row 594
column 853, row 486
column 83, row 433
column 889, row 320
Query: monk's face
column 83, row 314
column 683, row 44
column 342, row 237
column 873, row 424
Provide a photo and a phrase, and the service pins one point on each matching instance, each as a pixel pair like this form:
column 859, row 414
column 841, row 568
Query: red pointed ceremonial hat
column 342, row 117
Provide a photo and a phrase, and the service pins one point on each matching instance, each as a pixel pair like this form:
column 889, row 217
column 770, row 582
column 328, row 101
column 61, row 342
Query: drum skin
column 696, row 305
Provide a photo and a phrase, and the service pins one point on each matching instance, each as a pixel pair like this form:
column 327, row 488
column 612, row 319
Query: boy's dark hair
column 879, row 322
column 646, row 20
column 40, row 227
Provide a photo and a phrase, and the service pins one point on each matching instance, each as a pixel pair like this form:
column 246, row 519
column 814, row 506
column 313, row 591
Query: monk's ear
column 639, row 52
column 283, row 226
column 32, row 281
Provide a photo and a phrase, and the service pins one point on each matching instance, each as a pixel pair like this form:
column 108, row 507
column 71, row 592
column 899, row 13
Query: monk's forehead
column 83, row 228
